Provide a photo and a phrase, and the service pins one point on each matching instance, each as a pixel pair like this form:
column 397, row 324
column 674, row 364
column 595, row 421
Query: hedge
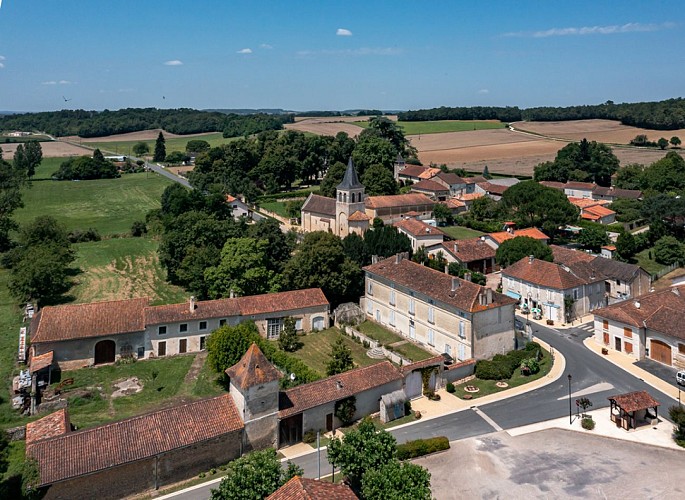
column 302, row 193
column 420, row 447
column 502, row 366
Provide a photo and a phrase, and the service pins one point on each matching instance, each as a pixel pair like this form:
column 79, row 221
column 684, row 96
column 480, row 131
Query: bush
column 420, row 447
column 366, row 344
column 138, row 228
column 79, row 236
column 309, row 437
column 450, row 387
column 587, row 423
column 407, row 407
column 531, row 365
column 502, row 366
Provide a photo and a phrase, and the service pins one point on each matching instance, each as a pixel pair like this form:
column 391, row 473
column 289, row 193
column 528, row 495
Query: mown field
column 124, row 147
column 441, row 126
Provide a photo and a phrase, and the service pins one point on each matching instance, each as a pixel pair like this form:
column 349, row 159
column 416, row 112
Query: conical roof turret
column 350, row 181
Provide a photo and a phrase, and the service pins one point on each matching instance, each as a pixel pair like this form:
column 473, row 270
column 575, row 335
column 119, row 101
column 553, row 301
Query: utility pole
column 570, row 408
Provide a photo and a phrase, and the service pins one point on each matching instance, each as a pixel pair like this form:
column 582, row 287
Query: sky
column 333, row 55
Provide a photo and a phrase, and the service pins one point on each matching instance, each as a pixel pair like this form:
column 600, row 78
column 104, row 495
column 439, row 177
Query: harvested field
column 51, row 149
column 607, row 131
column 330, row 119
column 143, row 135
column 325, row 128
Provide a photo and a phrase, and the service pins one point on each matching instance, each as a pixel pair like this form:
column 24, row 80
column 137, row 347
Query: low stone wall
column 392, row 356
column 459, row 371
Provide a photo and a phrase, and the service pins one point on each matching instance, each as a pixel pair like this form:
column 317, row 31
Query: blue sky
column 303, row 55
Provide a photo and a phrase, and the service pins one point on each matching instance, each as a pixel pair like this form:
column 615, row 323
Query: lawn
column 121, row 268
column 408, row 350
column 440, row 126
column 108, row 205
column 171, row 143
column 460, row 232
column 489, row 386
column 648, row 264
column 277, row 207
column 412, row 351
column 317, row 349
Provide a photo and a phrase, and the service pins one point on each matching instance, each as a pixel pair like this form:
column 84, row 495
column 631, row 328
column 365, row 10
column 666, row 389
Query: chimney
column 398, row 258
column 374, row 259
column 455, row 283
column 488, row 296
column 428, row 230
column 637, row 304
column 467, row 276
column 231, row 294
column 192, row 303
column 456, row 247
column 531, row 258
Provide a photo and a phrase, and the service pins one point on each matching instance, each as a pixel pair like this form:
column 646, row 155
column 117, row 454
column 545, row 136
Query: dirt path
column 194, row 370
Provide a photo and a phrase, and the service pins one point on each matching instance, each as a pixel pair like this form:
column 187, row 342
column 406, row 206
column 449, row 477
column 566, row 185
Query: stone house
column 453, row 182
column 650, row 326
column 419, row 233
column 545, row 285
column 441, row 312
column 474, row 254
column 393, row 208
column 496, row 239
column 416, row 173
column 102, row 332
column 434, row 190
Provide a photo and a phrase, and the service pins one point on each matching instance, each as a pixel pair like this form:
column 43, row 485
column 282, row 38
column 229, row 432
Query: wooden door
column 183, row 346
column 329, row 422
column 661, row 352
column 105, row 352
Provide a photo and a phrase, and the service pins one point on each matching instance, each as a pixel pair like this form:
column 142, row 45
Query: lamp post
column 570, row 410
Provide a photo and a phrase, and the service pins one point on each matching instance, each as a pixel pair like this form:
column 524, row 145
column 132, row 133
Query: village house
column 467, row 198
column 650, row 326
column 451, row 181
column 82, row 335
column 240, row 209
column 474, row 254
column 434, row 190
column 599, row 214
column 419, row 233
column 446, row 314
column 549, row 286
column 495, row 188
column 496, row 239
column 589, row 190
column 416, row 173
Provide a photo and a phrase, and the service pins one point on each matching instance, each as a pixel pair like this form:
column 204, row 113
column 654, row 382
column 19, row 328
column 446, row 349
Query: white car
column 680, row 377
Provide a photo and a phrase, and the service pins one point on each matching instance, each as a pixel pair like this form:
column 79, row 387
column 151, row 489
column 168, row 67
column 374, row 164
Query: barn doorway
column 661, row 352
column 105, row 352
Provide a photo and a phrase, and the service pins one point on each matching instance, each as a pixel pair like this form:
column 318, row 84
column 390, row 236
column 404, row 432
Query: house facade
column 419, row 233
column 102, row 332
column 434, row 190
column 650, row 326
column 444, row 313
column 474, row 254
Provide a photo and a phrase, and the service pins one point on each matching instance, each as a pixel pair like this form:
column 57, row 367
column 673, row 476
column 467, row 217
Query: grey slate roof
column 350, row 181
column 616, row 269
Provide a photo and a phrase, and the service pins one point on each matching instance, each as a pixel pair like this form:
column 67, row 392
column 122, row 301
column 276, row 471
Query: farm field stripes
column 442, row 126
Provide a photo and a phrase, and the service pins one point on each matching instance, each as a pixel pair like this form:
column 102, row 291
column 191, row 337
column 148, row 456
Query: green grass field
column 440, row 126
column 648, row 264
column 172, row 143
column 408, row 350
column 317, row 349
column 460, row 232
column 108, row 205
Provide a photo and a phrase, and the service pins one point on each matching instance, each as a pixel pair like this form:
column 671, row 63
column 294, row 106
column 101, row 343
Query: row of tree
column 582, row 161
column 87, row 168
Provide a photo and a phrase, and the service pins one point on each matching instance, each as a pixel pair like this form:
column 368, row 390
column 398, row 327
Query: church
column 351, row 211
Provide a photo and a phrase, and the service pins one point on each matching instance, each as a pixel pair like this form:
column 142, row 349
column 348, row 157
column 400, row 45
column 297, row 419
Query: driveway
column 555, row 464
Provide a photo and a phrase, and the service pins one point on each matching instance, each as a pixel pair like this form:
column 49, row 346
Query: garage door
column 660, row 351
column 317, row 323
column 414, row 387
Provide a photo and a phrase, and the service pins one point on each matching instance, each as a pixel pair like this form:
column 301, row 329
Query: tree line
column 659, row 115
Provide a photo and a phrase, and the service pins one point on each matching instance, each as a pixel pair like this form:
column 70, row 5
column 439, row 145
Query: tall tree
column 288, row 340
column 515, row 249
column 341, row 358
column 12, row 179
column 28, row 157
column 593, row 238
column 397, row 480
column 675, row 141
column 160, row 148
column 534, row 205
column 379, row 181
column 584, row 161
column 227, row 344
column 280, row 245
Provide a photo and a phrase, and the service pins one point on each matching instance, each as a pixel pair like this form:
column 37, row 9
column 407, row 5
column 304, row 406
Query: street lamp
column 570, row 410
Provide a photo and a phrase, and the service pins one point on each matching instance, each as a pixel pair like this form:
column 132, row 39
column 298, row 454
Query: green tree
column 288, row 339
column 197, row 146
column 515, row 249
column 534, row 205
column 485, row 208
column 341, row 358
column 593, row 238
column 345, row 410
column 280, row 245
column 294, row 208
column 333, row 177
column 12, row 180
column 666, row 174
column 486, row 173
column 584, row 160
column 626, row 246
column 378, row 181
column 176, row 158
column 28, row 157
column 355, row 248
column 668, row 250
column 361, row 450
column 631, row 176
column 442, row 213
column 373, row 150
column 243, row 269
column 662, row 143
column 627, row 210
column 675, row 141
column 40, row 275
column 140, row 148
column 227, row 344
column 385, row 241
column 677, row 414
column 396, row 480
column 254, row 476
column 160, row 148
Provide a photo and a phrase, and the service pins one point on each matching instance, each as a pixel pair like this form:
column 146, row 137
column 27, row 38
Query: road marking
column 593, row 389
column 487, row 419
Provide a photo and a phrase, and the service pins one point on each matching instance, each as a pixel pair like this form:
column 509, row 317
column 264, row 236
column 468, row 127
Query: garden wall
column 458, row 371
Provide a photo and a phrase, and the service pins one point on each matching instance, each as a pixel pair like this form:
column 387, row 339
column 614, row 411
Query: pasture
column 442, row 126
column 123, row 144
column 50, row 149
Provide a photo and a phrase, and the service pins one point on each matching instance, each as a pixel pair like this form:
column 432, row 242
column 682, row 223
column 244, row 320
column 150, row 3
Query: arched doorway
column 105, row 352
column 660, row 351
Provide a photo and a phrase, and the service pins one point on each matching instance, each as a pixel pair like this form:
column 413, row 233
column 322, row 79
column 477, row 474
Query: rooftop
column 398, row 200
column 320, row 205
column 429, row 185
column 350, row 180
column 417, row 227
column 412, row 171
column 547, row 274
column 299, row 488
column 49, row 426
column 253, row 369
column 450, row 178
column 531, row 232
column 634, row 401
column 469, row 250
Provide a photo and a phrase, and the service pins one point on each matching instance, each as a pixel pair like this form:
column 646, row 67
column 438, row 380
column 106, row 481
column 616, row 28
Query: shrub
column 450, row 387
column 366, row 344
column 80, row 236
column 138, row 228
column 531, row 364
column 407, row 407
column 420, row 447
column 309, row 437
column 587, row 423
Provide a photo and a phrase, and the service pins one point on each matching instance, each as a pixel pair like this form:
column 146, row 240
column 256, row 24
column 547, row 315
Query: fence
column 665, row 270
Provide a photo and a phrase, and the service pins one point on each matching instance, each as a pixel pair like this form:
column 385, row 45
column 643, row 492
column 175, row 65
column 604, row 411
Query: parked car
column 680, row 377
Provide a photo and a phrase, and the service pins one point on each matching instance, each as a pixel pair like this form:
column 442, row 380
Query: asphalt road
column 591, row 376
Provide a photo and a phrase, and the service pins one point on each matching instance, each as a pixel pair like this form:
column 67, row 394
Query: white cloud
column 1, row 65
column 343, row 32
column 244, row 51
column 2, row 58
column 483, row 91
column 51, row 82
column 266, row 46
column 55, row 82
column 594, row 30
column 173, row 62
column 362, row 51
column 64, row 82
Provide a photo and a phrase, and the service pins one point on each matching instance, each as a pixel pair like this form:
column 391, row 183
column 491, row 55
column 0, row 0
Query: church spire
column 350, row 181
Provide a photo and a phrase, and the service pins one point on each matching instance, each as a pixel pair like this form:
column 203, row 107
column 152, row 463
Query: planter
column 550, row 322
column 605, row 351
column 501, row 384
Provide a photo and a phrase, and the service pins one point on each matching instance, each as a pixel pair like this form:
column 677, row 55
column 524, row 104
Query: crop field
column 443, row 126
column 326, row 126
column 50, row 149
column 108, row 205
column 122, row 144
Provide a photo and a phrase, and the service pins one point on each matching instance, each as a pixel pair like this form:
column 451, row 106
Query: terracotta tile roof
column 662, row 311
column 491, row 188
column 584, row 202
column 281, row 301
column 436, row 285
column 568, row 256
column 205, row 309
column 453, row 203
column 319, row 205
column 474, row 180
column 469, row 250
column 634, row 401
column 553, row 184
column 42, row 361
column 76, row 321
column 610, row 247
column 412, row 171
column 461, row 364
column 469, row 196
column 230, row 198
column 598, row 211
column 253, row 369
column 359, row 216
column 531, row 232
column 91, row 450
column 429, row 185
column 55, row 424
column 299, row 488
column 589, row 186
column 435, row 360
column 336, row 387
column 546, row 274
column 429, row 173
column 450, row 178
column 616, row 269
column 417, row 228
column 398, row 200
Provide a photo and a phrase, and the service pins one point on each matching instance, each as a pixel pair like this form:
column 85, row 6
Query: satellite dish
column 292, row 377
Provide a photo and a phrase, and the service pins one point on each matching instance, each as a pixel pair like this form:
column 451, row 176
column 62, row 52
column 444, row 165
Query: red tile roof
column 412, row 171
column 319, row 205
column 76, row 321
column 469, row 196
column 398, row 200
column 429, row 173
column 589, row 186
column 436, row 285
column 281, row 302
column 253, row 369
column 450, row 178
column 430, row 186
column 453, row 203
column 205, row 309
column 435, row 360
column 553, row 184
column 547, row 274
column 55, row 424
column 491, row 188
column 469, row 250
column 336, row 387
column 474, row 180
column 634, row 401
column 568, row 256
column 598, row 211
column 531, row 232
column 417, row 228
column 358, row 216
column 299, row 488
column 42, row 361
column 91, row 450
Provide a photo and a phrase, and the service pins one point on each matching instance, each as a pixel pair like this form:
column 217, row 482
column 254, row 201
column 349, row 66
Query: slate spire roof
column 350, row 180
column 253, row 369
